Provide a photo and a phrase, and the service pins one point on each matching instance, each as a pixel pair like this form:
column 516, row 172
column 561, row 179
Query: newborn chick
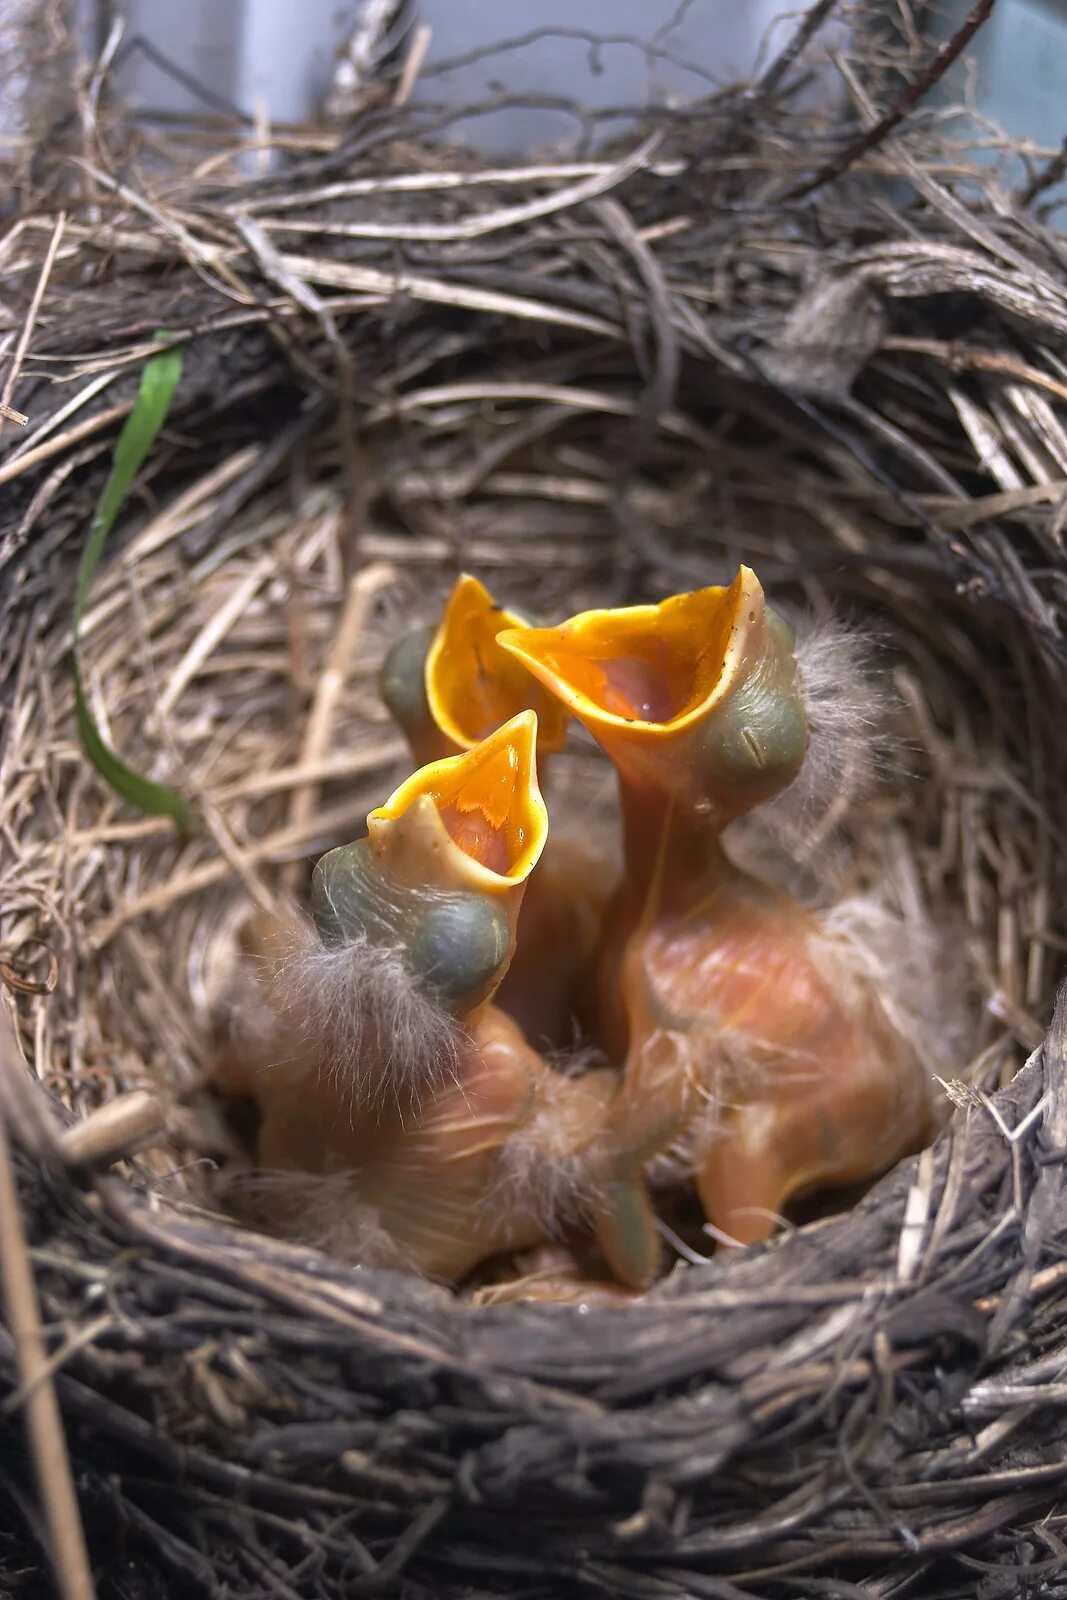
column 748, row 1031
column 379, row 1062
column 448, row 687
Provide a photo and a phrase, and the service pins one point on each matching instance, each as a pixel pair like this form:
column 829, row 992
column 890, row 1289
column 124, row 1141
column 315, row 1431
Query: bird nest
column 747, row 335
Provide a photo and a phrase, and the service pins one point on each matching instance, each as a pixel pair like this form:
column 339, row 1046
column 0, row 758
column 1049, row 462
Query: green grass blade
column 158, row 383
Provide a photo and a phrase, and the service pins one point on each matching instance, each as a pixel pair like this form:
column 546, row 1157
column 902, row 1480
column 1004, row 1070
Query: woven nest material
column 617, row 379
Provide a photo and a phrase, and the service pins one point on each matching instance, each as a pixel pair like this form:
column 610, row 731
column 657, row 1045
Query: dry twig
column 920, row 86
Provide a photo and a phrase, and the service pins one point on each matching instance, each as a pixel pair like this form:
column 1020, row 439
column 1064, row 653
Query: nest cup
column 588, row 389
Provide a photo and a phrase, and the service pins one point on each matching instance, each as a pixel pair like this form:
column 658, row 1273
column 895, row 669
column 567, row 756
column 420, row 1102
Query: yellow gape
column 450, row 687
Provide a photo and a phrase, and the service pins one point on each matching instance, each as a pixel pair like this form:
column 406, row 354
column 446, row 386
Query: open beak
column 695, row 696
column 472, row 821
column 441, row 873
column 472, row 685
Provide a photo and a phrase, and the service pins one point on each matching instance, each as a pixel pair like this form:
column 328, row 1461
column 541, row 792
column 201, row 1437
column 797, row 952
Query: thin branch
column 413, row 63
column 596, row 42
column 872, row 137
column 139, row 44
column 806, row 30
column 1050, row 174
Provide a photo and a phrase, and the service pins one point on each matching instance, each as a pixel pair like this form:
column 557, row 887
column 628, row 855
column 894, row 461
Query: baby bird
column 450, row 686
column 379, row 1062
column 751, row 1035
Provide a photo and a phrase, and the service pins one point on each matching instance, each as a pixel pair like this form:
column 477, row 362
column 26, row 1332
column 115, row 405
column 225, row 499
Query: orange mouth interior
column 472, row 685
column 639, row 664
column 486, row 813
column 487, row 799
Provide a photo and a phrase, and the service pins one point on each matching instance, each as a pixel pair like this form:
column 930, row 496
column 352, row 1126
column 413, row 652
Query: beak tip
column 521, row 733
column 748, row 582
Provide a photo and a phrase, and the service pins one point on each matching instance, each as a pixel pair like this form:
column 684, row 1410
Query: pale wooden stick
column 120, row 1128
column 44, row 1425
column 420, row 44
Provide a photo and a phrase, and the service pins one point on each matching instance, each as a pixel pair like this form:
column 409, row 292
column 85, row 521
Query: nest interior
column 614, row 378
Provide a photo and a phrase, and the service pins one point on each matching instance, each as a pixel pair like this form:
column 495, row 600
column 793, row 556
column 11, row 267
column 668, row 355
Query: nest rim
column 617, row 1447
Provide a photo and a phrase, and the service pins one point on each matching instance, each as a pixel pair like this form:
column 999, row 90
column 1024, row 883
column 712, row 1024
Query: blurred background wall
column 278, row 57
column 282, row 53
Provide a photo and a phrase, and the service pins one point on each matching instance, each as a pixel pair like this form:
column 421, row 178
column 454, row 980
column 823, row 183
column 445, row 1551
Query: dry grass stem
column 44, row 1423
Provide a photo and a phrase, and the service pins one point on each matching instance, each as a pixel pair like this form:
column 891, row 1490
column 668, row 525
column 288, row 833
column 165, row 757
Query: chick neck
column 673, row 852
